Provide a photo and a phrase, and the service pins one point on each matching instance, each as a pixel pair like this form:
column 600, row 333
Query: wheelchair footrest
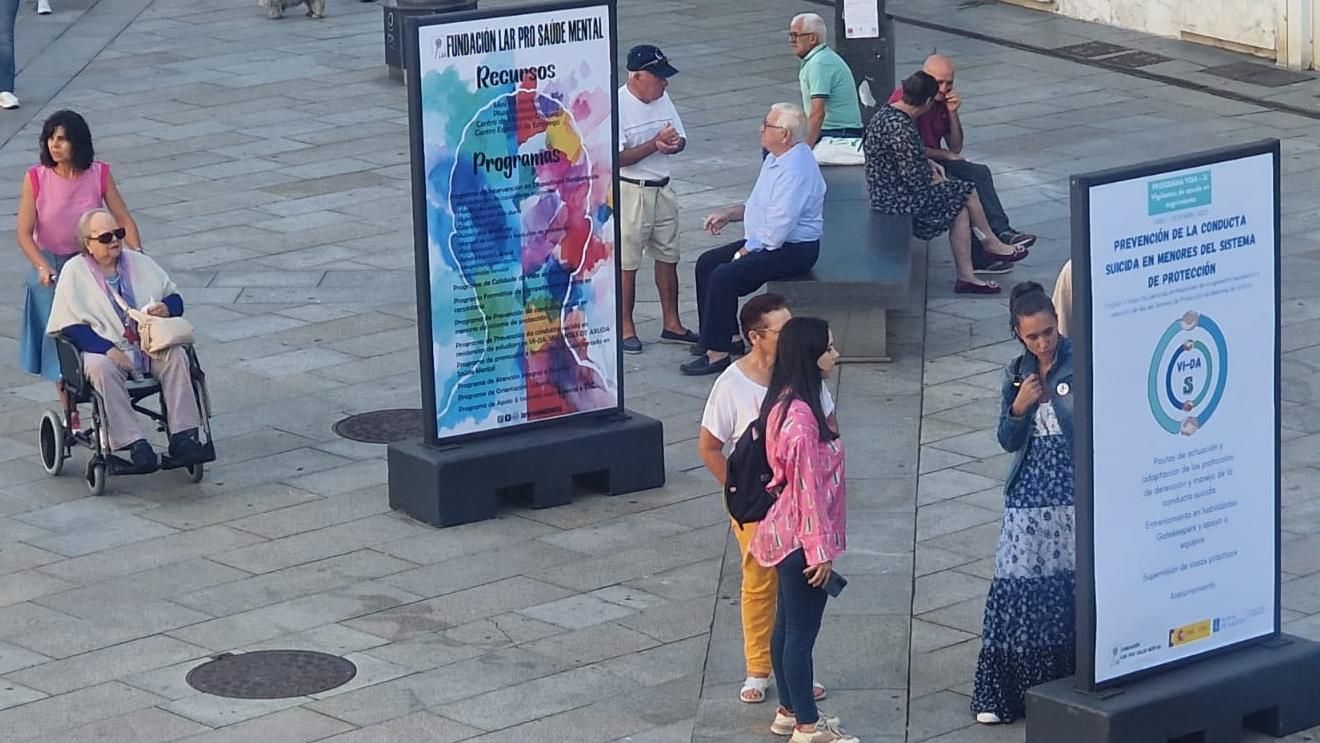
column 120, row 466
column 208, row 450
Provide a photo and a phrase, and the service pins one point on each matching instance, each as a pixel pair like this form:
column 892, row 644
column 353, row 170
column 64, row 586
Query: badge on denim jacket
column 1063, row 389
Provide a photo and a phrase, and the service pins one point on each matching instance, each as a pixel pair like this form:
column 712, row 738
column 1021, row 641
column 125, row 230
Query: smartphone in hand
column 834, row 584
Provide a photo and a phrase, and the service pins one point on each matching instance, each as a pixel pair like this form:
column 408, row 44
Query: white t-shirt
column 639, row 123
column 735, row 401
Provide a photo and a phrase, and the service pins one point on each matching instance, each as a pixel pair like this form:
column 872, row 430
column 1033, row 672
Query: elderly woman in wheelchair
column 101, row 355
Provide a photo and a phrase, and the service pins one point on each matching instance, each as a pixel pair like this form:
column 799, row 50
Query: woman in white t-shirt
column 734, row 402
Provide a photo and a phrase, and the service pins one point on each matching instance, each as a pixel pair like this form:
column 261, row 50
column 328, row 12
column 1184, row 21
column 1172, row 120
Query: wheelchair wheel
column 196, row 472
column 95, row 476
column 50, row 438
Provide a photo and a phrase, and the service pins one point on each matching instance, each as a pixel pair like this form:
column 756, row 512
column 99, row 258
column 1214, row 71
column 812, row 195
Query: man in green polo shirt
column 829, row 92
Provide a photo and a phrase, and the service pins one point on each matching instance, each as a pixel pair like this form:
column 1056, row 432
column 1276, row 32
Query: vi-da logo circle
column 1188, row 373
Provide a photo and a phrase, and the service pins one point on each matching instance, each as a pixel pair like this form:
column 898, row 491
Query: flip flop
column 753, row 690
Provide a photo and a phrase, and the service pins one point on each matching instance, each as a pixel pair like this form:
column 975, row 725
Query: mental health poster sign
column 514, row 133
column 1179, row 490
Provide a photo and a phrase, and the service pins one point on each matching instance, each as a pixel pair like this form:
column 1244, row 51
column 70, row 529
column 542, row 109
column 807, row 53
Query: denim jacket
column 1014, row 433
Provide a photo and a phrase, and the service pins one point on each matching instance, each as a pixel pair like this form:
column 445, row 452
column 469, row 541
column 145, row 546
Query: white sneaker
column 8, row 100
column 43, row 7
column 988, row 718
column 827, row 731
column 785, row 724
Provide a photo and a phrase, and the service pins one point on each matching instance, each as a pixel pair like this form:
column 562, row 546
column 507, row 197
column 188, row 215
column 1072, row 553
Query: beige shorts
column 648, row 223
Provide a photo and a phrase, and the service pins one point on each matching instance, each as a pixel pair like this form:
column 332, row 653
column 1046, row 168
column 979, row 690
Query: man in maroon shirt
column 942, row 133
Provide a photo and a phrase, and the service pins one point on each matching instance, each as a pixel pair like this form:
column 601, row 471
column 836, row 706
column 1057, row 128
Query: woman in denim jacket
column 1029, row 632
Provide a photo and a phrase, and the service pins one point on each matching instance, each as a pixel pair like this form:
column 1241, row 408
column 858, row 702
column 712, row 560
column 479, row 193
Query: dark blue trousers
column 722, row 280
column 797, row 623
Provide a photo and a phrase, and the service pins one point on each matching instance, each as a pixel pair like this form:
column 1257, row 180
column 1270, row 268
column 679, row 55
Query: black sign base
column 1268, row 688
column 459, row 483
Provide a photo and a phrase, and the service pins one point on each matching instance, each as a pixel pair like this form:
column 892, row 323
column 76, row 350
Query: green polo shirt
column 824, row 74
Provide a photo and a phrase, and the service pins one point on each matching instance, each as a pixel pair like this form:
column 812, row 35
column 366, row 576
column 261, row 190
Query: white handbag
column 157, row 334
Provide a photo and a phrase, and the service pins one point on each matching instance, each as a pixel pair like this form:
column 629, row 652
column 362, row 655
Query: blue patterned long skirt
column 1029, row 635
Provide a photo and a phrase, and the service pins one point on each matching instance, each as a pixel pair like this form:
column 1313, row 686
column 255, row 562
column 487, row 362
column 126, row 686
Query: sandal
column 818, row 690
column 967, row 287
column 753, row 690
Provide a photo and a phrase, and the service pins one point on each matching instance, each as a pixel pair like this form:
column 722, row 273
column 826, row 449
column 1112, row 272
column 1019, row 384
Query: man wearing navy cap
column 649, row 133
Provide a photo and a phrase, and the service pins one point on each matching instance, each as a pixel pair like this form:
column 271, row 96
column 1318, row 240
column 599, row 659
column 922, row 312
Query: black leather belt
column 646, row 184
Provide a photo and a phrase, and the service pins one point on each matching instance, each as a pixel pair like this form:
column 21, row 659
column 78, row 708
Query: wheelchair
column 56, row 441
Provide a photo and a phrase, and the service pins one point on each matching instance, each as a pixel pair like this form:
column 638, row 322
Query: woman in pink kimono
column 803, row 532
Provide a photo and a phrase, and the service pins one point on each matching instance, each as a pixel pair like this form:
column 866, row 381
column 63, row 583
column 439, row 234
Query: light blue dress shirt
column 786, row 202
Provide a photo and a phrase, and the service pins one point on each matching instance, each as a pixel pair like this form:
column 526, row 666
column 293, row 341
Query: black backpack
column 745, row 494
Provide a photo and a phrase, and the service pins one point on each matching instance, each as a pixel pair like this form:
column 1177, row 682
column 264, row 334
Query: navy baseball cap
column 649, row 57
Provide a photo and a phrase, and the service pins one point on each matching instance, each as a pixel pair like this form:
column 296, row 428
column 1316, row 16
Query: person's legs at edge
column 985, row 190
column 664, row 242
column 118, row 416
column 960, row 242
column 707, row 262
column 958, row 170
column 797, row 623
column 666, row 285
column 8, row 68
column 992, row 244
column 175, row 377
column 634, row 228
column 759, row 585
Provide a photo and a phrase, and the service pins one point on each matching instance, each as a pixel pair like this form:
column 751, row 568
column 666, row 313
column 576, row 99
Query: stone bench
column 864, row 269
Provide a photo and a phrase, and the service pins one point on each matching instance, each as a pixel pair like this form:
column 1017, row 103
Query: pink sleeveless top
column 62, row 201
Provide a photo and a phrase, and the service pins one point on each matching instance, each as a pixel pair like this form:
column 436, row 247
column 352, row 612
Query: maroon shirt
column 934, row 124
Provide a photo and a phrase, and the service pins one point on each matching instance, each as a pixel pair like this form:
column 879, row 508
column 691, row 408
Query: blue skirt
column 36, row 349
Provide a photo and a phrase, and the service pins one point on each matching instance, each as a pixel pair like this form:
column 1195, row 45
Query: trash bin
column 395, row 11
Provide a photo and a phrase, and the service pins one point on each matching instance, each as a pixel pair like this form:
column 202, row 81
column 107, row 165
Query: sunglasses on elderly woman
column 105, row 238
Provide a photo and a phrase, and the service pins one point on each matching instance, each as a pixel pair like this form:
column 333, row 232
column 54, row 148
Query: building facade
column 1283, row 31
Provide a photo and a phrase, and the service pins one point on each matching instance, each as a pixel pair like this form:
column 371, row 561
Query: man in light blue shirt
column 782, row 225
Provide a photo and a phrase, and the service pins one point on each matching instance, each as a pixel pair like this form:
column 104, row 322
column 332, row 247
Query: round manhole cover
column 382, row 426
column 271, row 674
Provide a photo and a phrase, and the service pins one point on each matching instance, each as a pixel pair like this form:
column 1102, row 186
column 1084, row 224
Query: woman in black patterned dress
column 901, row 180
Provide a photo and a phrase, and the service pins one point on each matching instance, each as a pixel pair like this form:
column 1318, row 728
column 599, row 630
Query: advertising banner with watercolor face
column 514, row 133
column 1177, row 442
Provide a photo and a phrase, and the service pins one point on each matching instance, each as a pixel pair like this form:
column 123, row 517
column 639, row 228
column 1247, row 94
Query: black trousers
column 721, row 281
column 985, row 187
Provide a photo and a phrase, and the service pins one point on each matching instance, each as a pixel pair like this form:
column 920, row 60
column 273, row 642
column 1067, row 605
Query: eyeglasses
column 659, row 59
column 767, row 125
column 944, row 83
column 795, row 35
column 105, row 238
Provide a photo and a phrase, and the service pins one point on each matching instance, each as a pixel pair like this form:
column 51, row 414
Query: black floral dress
column 898, row 176
column 1029, row 633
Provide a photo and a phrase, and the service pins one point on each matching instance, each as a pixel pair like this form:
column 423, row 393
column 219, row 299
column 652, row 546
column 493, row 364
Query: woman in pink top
column 55, row 194
column 803, row 532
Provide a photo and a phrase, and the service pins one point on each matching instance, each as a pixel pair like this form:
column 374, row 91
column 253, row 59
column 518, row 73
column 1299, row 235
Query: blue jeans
column 8, row 12
column 797, row 622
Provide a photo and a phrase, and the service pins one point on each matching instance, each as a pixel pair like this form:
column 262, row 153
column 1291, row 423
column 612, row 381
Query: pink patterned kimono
column 809, row 513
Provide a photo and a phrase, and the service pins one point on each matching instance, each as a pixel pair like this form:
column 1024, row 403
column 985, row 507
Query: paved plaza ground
column 267, row 165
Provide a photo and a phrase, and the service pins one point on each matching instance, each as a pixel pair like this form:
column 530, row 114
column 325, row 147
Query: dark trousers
column 721, row 280
column 985, row 187
column 797, row 623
